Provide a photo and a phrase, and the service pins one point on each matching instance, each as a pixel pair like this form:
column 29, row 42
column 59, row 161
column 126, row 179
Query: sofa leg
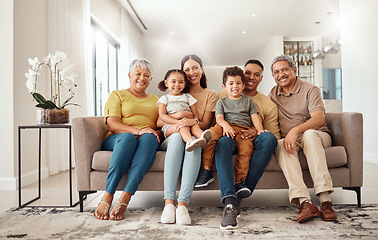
column 82, row 197
column 358, row 192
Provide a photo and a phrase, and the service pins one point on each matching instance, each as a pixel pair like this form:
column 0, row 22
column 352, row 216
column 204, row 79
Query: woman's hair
column 143, row 63
column 233, row 72
column 188, row 84
column 286, row 58
column 194, row 57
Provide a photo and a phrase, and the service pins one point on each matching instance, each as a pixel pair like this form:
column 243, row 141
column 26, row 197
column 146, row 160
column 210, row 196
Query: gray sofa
column 344, row 159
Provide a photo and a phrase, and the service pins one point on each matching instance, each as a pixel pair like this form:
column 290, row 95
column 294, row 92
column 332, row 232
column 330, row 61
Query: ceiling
column 225, row 32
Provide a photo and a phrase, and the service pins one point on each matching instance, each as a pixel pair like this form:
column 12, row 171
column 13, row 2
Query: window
column 332, row 83
column 105, row 67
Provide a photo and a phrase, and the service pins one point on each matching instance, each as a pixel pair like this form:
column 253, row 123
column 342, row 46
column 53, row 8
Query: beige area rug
column 254, row 223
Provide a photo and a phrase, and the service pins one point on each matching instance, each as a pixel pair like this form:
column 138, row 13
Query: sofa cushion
column 101, row 160
column 336, row 157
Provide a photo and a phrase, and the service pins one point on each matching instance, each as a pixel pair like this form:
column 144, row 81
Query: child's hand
column 261, row 131
column 228, row 131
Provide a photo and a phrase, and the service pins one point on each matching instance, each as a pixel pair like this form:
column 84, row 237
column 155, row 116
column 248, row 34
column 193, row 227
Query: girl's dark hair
column 188, row 84
column 194, row 57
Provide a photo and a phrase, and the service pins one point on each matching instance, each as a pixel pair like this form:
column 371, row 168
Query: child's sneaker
column 205, row 177
column 207, row 135
column 195, row 143
column 242, row 191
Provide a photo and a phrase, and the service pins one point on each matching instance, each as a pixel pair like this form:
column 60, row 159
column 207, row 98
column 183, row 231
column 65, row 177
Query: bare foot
column 120, row 208
column 102, row 210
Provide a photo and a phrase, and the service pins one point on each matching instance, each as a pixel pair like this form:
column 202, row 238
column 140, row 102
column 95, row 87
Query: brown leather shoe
column 307, row 211
column 328, row 213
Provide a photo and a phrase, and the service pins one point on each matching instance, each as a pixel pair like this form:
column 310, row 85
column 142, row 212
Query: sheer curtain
column 68, row 30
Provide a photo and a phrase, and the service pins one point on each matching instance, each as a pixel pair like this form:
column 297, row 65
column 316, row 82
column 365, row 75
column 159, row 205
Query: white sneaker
column 168, row 214
column 195, row 143
column 207, row 135
column 182, row 216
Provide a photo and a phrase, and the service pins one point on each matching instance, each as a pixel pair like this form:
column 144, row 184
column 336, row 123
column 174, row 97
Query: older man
column 302, row 124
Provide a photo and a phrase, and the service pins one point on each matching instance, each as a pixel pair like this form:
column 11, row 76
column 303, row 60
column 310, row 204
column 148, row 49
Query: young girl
column 179, row 100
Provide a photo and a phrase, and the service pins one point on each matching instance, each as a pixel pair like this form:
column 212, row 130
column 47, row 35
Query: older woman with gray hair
column 131, row 116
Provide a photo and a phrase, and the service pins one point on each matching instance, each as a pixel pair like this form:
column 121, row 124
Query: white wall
column 359, row 57
column 7, row 142
column 29, row 42
column 25, row 36
column 109, row 13
column 272, row 49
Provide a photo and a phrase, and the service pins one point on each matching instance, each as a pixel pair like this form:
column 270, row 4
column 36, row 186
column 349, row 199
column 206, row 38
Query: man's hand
column 290, row 140
column 249, row 134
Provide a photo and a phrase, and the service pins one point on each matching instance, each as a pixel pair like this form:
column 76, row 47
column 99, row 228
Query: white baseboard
column 8, row 184
column 369, row 157
column 27, row 179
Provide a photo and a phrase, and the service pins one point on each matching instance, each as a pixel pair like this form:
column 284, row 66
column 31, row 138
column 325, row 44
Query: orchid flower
column 58, row 57
column 34, row 63
column 31, row 74
column 62, row 74
column 30, row 84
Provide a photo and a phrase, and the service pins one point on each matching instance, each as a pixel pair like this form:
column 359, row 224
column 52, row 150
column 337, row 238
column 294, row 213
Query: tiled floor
column 55, row 191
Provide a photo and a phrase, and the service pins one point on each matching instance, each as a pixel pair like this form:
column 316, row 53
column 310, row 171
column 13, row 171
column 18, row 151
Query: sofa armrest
column 347, row 131
column 88, row 134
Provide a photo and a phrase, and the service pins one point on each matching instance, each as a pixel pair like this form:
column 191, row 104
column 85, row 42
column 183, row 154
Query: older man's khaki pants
column 313, row 144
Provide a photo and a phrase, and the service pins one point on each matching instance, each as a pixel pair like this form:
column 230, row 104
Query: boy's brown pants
column 244, row 146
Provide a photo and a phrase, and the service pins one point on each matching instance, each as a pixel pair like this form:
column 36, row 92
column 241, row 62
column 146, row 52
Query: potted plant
column 52, row 110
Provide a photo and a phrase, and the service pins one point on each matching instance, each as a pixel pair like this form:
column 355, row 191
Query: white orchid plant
column 62, row 74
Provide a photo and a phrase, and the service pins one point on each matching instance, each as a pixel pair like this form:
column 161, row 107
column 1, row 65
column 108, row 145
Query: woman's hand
column 148, row 130
column 185, row 122
column 182, row 114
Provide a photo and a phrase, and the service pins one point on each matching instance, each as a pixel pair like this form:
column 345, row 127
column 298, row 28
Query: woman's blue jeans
column 175, row 157
column 129, row 151
column 265, row 144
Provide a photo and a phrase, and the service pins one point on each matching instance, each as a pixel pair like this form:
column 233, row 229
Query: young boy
column 233, row 114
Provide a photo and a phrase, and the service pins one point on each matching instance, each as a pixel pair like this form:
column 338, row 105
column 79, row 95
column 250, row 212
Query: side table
column 40, row 127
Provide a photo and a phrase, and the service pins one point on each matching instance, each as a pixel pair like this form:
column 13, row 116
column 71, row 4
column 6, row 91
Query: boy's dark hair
column 254, row 61
column 232, row 71
column 194, row 57
column 188, row 84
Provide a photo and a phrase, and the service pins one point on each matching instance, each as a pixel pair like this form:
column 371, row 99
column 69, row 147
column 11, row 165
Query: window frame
column 96, row 28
